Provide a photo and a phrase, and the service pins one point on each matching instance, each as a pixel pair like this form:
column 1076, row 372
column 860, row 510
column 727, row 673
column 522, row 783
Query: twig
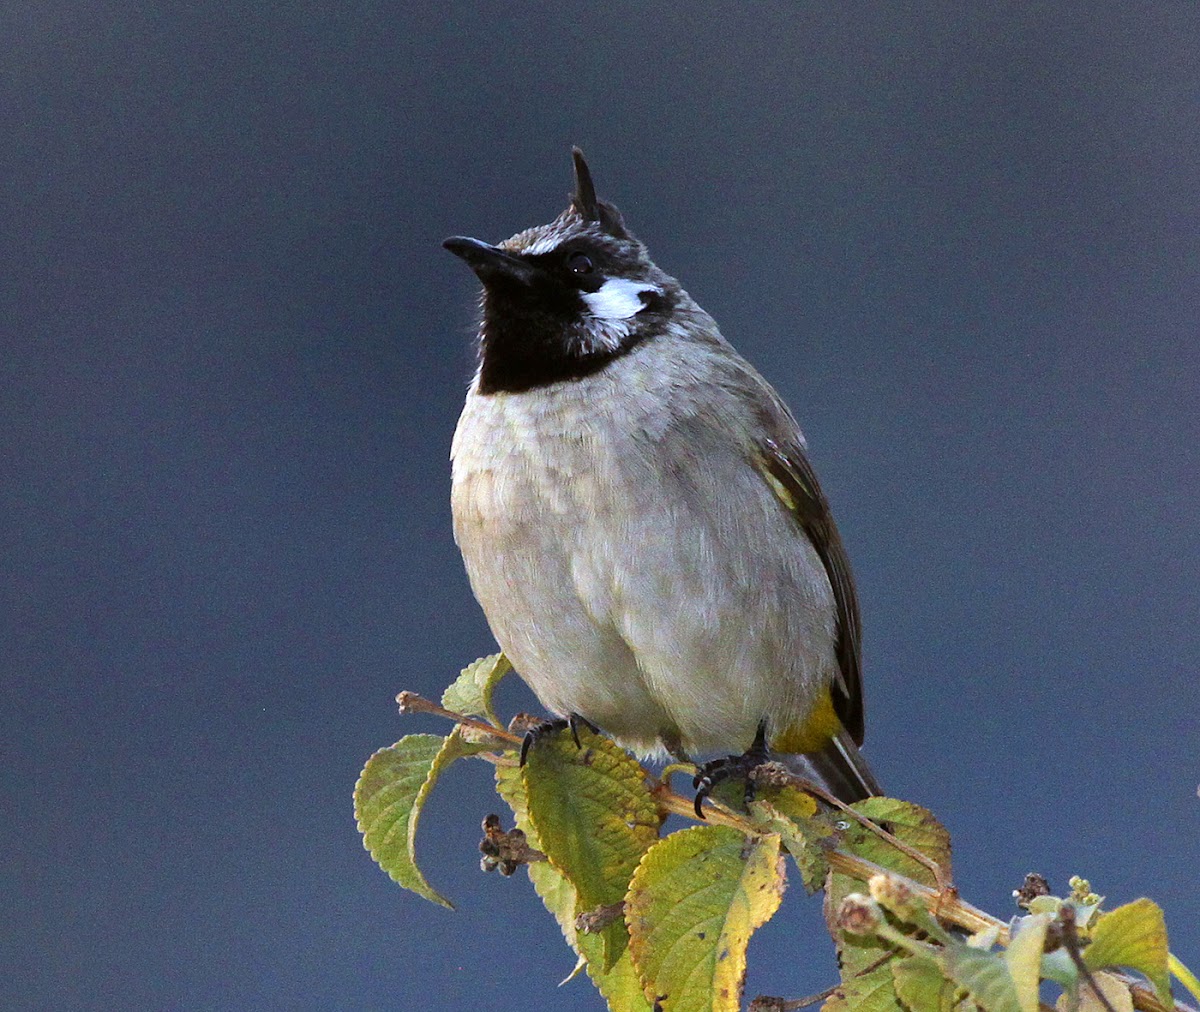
column 954, row 910
column 1145, row 1000
column 766, row 1003
column 676, row 804
column 1070, row 940
column 944, row 882
column 412, row 702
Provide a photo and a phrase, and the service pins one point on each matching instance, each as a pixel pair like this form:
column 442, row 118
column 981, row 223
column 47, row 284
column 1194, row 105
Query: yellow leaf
column 1184, row 975
column 694, row 902
column 1135, row 936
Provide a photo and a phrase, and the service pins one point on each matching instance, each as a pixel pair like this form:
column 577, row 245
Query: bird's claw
column 539, row 731
column 710, row 774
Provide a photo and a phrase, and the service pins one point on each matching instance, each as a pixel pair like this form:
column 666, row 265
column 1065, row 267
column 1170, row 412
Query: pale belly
column 667, row 604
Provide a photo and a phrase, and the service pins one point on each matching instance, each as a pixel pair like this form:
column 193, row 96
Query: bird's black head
column 561, row 301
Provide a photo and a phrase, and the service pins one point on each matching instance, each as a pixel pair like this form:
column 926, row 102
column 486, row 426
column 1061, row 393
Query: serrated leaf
column 512, row 789
column 471, row 693
column 619, row 985
column 913, row 825
column 1134, row 935
column 552, row 887
column 386, row 807
column 921, row 986
column 862, row 981
column 693, row 904
column 789, row 801
column 557, row 895
column 595, row 818
column 1024, row 958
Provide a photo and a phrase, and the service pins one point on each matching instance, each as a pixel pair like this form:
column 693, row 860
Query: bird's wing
column 785, row 466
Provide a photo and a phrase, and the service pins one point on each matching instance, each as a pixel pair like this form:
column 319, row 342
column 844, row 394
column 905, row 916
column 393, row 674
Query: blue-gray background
column 962, row 241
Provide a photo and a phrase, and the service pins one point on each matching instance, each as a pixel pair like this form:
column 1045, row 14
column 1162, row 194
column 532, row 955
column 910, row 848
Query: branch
column 945, row 885
column 412, row 702
column 951, row 909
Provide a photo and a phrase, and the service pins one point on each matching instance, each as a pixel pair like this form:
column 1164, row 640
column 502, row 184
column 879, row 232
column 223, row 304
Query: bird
column 639, row 519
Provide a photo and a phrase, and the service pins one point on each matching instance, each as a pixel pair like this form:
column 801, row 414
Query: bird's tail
column 839, row 767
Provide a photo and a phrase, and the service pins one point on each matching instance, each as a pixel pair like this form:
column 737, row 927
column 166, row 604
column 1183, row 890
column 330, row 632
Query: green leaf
column 909, row 823
column 387, row 808
column 1024, row 958
column 867, row 981
column 619, row 985
column 1135, row 936
column 595, row 818
column 801, row 837
column 984, row 974
column 1059, row 967
column 512, row 789
column 693, row 904
column 865, row 984
column 921, row 985
column 556, row 893
column 876, row 990
column 471, row 692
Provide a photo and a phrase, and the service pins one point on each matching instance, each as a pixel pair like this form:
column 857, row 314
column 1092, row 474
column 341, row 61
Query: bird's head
column 561, row 301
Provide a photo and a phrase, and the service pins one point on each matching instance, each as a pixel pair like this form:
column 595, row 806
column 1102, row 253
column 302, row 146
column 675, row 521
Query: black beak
column 490, row 262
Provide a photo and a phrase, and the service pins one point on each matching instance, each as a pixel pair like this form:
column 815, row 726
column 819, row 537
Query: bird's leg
column 538, row 731
column 712, row 773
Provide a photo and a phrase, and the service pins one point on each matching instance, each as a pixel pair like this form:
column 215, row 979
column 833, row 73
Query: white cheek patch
column 617, row 299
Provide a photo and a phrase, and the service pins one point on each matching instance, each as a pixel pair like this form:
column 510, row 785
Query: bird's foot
column 710, row 774
column 539, row 731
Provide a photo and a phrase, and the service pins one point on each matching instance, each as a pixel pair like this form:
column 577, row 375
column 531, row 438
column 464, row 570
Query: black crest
column 590, row 208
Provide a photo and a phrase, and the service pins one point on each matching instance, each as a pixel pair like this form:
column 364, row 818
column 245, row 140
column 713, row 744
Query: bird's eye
column 579, row 263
